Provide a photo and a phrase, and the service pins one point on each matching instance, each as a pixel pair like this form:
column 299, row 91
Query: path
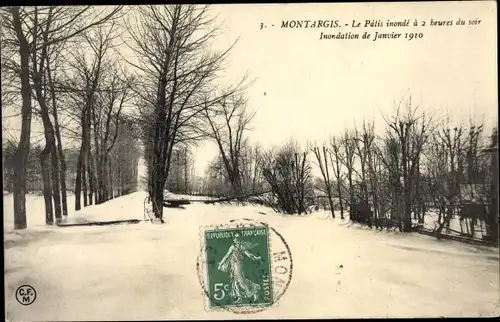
column 147, row 271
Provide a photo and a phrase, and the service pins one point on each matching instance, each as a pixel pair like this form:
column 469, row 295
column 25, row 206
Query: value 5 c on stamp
column 243, row 267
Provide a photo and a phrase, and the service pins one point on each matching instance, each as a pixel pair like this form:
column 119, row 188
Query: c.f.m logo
column 25, row 294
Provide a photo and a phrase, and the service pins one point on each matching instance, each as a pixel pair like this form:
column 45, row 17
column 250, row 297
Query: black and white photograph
column 250, row 161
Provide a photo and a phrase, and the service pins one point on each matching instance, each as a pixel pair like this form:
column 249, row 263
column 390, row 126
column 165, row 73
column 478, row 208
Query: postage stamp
column 244, row 266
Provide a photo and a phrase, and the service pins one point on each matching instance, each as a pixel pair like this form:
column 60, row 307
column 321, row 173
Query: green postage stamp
column 244, row 266
column 242, row 275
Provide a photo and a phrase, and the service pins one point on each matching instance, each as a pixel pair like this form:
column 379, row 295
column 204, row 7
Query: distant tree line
column 124, row 177
column 420, row 164
column 280, row 176
column 57, row 69
column 181, row 176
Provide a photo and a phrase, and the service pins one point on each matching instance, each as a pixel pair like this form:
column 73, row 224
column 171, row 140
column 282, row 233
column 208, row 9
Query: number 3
column 261, row 26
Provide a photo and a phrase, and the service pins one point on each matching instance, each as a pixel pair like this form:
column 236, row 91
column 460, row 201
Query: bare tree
column 251, row 173
column 410, row 129
column 336, row 159
column 228, row 124
column 364, row 148
column 385, row 180
column 349, row 149
column 288, row 172
column 322, row 159
column 177, row 75
column 256, row 170
column 14, row 22
column 390, row 198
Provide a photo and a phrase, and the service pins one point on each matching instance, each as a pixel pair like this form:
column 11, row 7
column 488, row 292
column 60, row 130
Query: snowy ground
column 148, row 271
column 431, row 222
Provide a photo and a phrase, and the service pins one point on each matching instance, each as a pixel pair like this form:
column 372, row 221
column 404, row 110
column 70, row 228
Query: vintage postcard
column 250, row 161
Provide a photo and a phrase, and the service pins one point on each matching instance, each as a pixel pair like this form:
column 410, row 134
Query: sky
column 311, row 89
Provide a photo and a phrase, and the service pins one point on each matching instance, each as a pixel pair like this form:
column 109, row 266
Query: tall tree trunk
column 151, row 179
column 186, row 171
column 90, row 171
column 78, row 182
column 406, row 182
column 421, row 205
column 50, row 144
column 105, row 178
column 41, row 89
column 160, row 145
column 85, row 170
column 326, row 176
column 23, row 149
column 60, row 154
column 99, row 178
column 95, row 188
column 255, row 170
column 341, row 202
column 81, row 163
column 135, row 173
column 55, row 181
column 47, row 189
column 84, row 184
column 119, row 179
column 177, row 173
column 98, row 191
column 63, row 169
column 351, row 192
column 374, row 185
column 110, row 179
column 98, row 159
column 158, row 185
column 339, row 183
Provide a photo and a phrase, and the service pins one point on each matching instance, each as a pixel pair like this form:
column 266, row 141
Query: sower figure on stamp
column 232, row 262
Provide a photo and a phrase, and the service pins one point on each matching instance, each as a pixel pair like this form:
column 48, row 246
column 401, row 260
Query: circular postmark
column 26, row 294
column 244, row 266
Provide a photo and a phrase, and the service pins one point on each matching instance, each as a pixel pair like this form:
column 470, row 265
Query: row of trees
column 420, row 164
column 69, row 59
column 181, row 178
column 123, row 181
column 282, row 175
column 57, row 65
column 250, row 176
